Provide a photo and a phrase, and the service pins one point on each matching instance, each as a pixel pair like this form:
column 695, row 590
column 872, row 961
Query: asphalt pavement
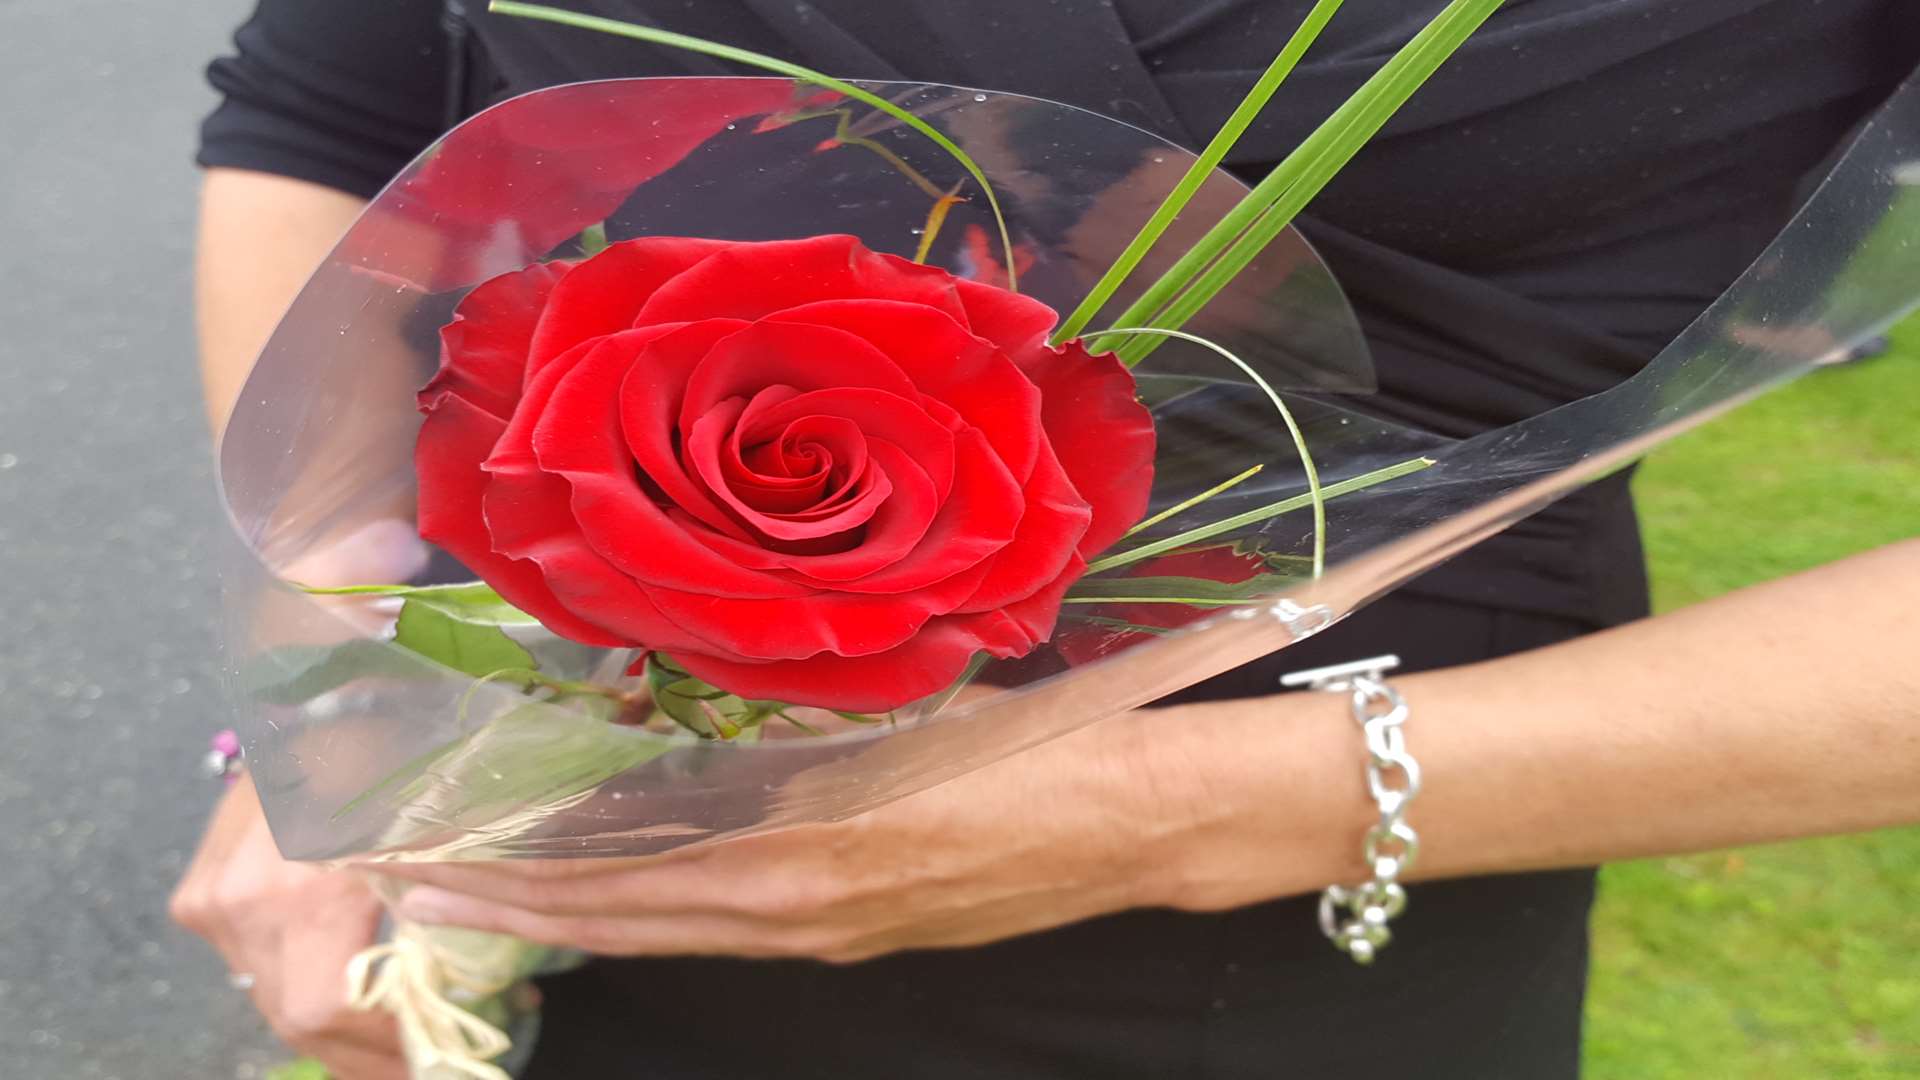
column 107, row 509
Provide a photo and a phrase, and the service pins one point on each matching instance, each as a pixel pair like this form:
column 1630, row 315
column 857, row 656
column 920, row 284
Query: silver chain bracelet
column 1355, row 917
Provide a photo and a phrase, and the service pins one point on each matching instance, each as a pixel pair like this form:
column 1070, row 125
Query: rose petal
column 580, row 437
column 789, row 475
column 1016, row 629
column 787, row 354
column 778, row 476
column 947, row 363
column 483, row 350
column 752, row 281
column 926, row 664
column 896, row 527
column 457, row 436
column 1101, row 432
column 876, row 683
column 704, row 446
column 649, row 397
column 822, row 623
column 903, row 421
column 1056, row 518
column 529, row 515
column 603, row 294
column 978, row 520
column 1017, row 324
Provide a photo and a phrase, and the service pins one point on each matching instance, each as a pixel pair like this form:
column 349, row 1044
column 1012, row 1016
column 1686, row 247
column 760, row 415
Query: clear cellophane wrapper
column 363, row 750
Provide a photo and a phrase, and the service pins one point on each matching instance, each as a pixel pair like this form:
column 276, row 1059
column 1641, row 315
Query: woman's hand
column 1060, row 833
column 292, row 927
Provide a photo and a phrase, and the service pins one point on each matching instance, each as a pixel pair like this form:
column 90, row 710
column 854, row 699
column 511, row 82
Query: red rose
column 809, row 472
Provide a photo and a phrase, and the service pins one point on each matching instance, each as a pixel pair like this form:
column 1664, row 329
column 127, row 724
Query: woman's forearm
column 260, row 238
column 1784, row 710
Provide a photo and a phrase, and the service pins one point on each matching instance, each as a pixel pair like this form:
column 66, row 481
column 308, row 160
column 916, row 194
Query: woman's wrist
column 1245, row 801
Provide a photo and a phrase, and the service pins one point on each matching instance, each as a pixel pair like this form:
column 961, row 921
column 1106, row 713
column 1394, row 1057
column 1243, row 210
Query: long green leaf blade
column 1305, row 171
column 1256, row 515
column 1314, row 493
column 1196, row 175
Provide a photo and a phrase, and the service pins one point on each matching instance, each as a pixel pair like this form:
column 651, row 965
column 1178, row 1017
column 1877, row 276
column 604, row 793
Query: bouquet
column 661, row 460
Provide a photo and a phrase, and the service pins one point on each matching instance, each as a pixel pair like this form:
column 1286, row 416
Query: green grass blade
column 1188, row 601
column 778, row 66
column 1225, row 485
column 1258, row 514
column 1197, row 173
column 1286, row 415
column 1301, row 175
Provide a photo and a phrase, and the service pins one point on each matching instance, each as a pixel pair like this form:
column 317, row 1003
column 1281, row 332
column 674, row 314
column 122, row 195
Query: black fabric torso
column 1571, row 190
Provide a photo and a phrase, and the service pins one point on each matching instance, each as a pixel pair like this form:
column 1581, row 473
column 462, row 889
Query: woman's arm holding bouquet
column 290, row 927
column 1784, row 710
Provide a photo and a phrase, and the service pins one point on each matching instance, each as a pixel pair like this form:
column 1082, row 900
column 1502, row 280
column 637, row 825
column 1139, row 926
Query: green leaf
column 475, row 648
column 528, row 757
column 296, row 674
column 778, row 66
column 593, row 239
column 713, row 713
column 700, row 707
column 473, row 601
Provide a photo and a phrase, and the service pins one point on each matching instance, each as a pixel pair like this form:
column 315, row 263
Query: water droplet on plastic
column 8, row 461
column 979, row 97
column 730, row 127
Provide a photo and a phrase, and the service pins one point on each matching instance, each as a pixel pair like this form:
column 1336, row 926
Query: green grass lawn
column 1796, row 960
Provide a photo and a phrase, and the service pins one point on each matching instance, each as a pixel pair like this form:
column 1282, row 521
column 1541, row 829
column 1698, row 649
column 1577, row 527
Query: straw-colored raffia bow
column 411, row 975
column 408, row 978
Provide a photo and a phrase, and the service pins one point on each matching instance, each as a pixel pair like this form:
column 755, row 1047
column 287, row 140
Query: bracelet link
column 1355, row 917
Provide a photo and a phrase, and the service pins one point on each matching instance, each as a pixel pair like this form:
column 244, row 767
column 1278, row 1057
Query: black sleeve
column 341, row 92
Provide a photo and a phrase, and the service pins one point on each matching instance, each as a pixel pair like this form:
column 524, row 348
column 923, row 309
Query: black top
column 1570, row 191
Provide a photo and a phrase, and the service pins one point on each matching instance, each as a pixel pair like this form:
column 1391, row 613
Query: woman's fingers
column 290, row 928
column 311, row 1010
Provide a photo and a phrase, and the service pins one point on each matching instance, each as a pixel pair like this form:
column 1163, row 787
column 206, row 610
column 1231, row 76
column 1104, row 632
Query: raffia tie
column 410, row 977
column 406, row 977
